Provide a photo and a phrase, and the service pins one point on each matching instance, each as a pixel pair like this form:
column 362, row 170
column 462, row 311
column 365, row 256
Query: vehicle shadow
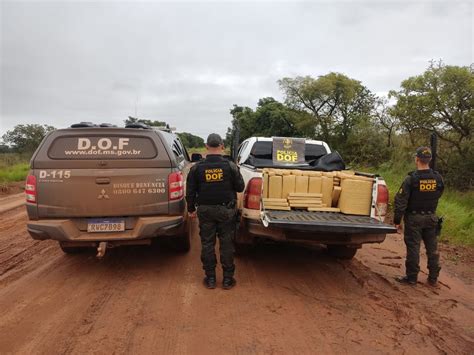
column 293, row 255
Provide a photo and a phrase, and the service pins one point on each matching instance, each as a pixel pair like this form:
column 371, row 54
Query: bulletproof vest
column 425, row 191
column 215, row 182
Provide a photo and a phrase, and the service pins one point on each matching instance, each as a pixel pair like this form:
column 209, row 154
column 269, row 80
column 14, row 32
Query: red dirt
column 12, row 188
column 288, row 300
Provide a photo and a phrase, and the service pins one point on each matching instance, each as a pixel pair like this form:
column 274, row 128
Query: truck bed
column 325, row 222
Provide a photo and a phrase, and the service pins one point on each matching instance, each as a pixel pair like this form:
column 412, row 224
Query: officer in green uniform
column 416, row 202
column 212, row 186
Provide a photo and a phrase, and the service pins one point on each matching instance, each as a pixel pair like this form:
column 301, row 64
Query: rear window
column 102, row 147
column 264, row 150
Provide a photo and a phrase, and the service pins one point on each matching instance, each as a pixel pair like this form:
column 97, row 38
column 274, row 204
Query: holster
column 439, row 226
column 232, row 204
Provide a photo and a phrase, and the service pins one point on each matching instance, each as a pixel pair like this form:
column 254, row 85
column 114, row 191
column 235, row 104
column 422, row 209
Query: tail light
column 30, row 189
column 382, row 200
column 253, row 194
column 176, row 185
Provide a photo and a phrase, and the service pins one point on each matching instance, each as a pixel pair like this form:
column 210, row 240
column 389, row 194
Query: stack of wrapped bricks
column 340, row 191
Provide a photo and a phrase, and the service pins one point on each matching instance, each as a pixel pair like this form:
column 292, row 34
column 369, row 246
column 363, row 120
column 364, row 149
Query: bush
column 458, row 172
column 366, row 145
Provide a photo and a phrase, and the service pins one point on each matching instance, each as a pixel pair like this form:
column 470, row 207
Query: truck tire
column 72, row 250
column 182, row 243
column 243, row 242
column 342, row 251
column 242, row 249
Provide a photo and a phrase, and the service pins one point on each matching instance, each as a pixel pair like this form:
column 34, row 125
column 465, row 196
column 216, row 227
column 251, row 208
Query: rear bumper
column 66, row 230
column 255, row 228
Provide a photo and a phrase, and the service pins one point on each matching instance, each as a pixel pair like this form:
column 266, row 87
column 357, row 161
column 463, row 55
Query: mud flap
column 101, row 249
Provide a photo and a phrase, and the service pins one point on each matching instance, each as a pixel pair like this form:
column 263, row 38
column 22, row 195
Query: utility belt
column 420, row 212
column 231, row 204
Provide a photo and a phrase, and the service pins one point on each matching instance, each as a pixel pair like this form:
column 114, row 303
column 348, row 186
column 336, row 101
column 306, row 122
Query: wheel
column 342, row 251
column 243, row 241
column 72, row 250
column 182, row 243
column 242, row 249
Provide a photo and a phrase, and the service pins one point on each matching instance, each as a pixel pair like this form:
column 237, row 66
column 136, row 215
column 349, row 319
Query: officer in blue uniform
column 212, row 187
column 416, row 202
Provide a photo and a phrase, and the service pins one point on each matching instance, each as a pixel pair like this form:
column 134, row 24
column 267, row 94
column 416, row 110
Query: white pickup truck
column 342, row 234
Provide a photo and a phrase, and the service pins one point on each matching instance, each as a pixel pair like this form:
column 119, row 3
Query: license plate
column 105, row 225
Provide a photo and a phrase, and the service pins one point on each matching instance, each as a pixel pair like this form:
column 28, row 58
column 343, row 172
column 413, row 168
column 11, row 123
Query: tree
column 4, row 148
column 385, row 119
column 190, row 140
column 335, row 101
column 439, row 100
column 270, row 118
column 359, row 149
column 131, row 119
column 26, row 138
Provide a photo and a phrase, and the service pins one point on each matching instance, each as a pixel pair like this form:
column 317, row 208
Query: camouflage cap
column 214, row 140
column 423, row 152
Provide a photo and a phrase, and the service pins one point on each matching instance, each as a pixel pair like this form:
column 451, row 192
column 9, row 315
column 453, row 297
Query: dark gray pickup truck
column 92, row 186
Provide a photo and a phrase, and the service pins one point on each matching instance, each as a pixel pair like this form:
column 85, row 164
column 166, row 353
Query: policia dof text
column 212, row 186
column 416, row 202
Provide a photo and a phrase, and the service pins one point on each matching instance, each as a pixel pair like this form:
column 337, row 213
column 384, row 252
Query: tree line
column 189, row 140
column 368, row 129
column 25, row 138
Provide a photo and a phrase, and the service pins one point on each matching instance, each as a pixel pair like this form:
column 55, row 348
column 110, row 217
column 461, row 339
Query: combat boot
column 433, row 281
column 228, row 283
column 210, row 282
column 405, row 280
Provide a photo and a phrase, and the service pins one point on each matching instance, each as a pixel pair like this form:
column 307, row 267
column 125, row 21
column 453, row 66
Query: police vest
column 215, row 183
column 425, row 190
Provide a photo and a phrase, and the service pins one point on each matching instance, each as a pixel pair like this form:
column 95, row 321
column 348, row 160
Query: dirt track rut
column 288, row 300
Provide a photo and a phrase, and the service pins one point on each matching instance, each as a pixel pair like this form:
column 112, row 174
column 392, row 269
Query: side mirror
column 195, row 157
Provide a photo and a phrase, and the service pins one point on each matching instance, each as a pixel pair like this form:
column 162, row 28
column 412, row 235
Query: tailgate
column 102, row 192
column 325, row 222
column 101, row 172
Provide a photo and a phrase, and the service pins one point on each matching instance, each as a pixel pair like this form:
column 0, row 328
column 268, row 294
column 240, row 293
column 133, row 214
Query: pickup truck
column 342, row 234
column 102, row 186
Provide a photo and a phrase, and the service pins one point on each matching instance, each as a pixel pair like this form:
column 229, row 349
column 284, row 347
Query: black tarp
column 328, row 162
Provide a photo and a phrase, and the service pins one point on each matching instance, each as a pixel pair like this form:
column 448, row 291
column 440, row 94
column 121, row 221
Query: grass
column 10, row 159
column 17, row 172
column 456, row 207
column 13, row 167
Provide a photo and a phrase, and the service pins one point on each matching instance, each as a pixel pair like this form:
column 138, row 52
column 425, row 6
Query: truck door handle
column 102, row 181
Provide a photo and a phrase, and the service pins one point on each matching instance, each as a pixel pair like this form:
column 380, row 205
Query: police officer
column 212, row 186
column 416, row 202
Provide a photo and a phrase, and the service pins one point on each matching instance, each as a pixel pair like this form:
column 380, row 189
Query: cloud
column 188, row 63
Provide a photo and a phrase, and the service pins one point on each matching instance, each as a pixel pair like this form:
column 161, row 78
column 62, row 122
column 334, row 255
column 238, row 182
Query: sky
column 188, row 63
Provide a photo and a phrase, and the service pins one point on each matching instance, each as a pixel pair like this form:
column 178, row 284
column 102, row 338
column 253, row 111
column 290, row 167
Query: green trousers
column 217, row 220
column 420, row 227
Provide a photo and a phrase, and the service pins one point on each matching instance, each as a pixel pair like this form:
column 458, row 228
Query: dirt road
column 10, row 202
column 288, row 300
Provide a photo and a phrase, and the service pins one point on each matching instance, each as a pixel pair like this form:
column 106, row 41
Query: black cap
column 214, row 140
column 423, row 152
